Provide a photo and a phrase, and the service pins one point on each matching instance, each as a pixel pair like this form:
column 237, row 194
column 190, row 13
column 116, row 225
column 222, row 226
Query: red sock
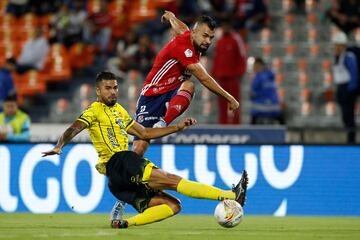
column 177, row 105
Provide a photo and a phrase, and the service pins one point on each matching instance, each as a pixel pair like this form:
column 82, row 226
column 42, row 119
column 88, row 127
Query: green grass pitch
column 182, row 227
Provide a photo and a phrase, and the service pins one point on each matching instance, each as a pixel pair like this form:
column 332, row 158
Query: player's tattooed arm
column 176, row 24
column 66, row 137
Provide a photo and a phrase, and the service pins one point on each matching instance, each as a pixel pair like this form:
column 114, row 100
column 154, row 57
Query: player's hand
column 187, row 122
column 233, row 104
column 54, row 151
column 167, row 16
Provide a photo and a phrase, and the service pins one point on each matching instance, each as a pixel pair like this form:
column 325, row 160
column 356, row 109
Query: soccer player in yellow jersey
column 132, row 178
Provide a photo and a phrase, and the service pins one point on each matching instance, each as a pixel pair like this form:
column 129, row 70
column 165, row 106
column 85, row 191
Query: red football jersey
column 169, row 68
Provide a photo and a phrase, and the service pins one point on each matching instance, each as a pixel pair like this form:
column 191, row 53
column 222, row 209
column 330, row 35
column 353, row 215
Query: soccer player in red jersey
column 167, row 90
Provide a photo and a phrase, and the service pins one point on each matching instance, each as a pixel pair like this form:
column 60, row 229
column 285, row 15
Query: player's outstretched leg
column 162, row 180
column 199, row 190
column 240, row 189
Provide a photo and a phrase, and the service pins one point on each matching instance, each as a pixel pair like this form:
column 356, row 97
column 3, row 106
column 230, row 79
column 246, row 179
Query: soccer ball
column 228, row 213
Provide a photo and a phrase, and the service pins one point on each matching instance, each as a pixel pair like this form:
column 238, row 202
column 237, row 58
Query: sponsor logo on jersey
column 120, row 122
column 151, row 118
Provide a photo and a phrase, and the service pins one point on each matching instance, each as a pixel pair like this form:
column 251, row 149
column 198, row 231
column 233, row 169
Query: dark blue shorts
column 150, row 108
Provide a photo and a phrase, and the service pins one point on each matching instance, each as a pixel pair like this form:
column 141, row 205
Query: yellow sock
column 150, row 215
column 200, row 190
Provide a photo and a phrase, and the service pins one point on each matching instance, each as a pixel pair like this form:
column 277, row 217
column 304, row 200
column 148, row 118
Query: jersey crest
column 188, row 53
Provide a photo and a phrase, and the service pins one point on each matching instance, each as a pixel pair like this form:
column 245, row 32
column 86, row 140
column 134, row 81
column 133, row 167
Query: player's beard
column 111, row 102
column 201, row 49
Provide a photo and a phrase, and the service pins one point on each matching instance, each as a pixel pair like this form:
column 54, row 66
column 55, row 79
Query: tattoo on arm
column 70, row 133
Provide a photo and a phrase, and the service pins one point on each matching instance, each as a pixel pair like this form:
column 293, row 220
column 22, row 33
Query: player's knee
column 175, row 206
column 173, row 181
column 189, row 86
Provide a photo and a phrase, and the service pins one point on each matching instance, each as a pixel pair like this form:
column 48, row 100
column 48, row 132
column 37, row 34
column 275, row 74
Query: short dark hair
column 10, row 98
column 260, row 61
column 209, row 21
column 105, row 75
column 11, row 60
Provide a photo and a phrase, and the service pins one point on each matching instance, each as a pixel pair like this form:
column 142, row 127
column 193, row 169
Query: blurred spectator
column 228, row 68
column 119, row 66
column 346, row 79
column 220, row 9
column 59, row 24
column 345, row 14
column 84, row 104
column 17, row 7
column 97, row 28
column 86, row 91
column 34, row 52
column 189, row 10
column 62, row 105
column 127, row 47
column 77, row 16
column 153, row 28
column 61, row 111
column 7, row 87
column 14, row 123
column 66, row 25
column 144, row 55
column 299, row 7
column 355, row 49
column 250, row 15
column 264, row 98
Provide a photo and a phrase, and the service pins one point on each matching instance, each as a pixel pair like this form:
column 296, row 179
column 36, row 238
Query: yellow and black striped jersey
column 107, row 127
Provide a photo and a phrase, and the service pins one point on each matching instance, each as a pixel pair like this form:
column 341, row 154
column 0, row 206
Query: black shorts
column 125, row 172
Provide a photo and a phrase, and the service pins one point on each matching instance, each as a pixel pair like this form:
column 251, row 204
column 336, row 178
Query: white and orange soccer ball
column 228, row 213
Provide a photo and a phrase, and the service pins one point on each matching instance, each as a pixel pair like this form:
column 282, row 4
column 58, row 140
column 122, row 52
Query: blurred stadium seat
column 29, row 20
column 303, row 78
column 277, row 64
column 7, row 20
column 302, row 64
column 267, row 50
column 57, row 66
column 330, row 108
column 142, row 10
column 288, row 35
column 29, row 84
column 8, row 49
column 311, row 19
column 306, row 108
column 265, row 35
column 80, row 55
column 314, row 50
column 312, row 35
column 290, row 51
column 326, row 65
column 279, row 78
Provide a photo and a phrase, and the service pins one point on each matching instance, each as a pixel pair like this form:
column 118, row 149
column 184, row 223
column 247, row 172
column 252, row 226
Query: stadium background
column 299, row 180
